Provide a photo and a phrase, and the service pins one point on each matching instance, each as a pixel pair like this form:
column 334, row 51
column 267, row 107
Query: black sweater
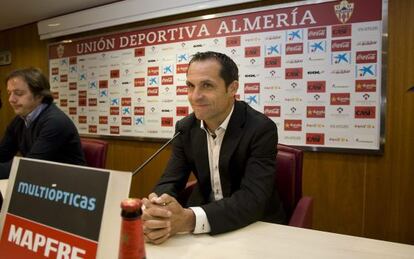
column 51, row 136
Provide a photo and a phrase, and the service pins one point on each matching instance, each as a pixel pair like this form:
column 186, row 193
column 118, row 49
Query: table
column 265, row 240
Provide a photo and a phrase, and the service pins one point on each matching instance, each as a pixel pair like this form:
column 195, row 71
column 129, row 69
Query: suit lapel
column 199, row 146
column 230, row 142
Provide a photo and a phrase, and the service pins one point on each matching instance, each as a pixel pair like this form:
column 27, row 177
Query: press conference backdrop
column 313, row 68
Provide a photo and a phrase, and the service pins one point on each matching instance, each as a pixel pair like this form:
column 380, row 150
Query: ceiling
column 14, row 13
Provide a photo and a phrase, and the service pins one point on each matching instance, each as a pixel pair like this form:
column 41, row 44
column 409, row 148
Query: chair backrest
column 95, row 152
column 298, row 167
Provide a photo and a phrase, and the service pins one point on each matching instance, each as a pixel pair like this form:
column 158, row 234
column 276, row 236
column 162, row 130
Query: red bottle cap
column 131, row 205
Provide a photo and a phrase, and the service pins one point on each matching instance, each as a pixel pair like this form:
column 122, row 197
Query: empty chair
column 95, row 152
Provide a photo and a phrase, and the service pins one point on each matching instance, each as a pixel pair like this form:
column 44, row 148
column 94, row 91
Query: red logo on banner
column 82, row 94
column 182, row 110
column 315, row 111
column 341, row 45
column 273, row 62
column 139, row 52
column 317, row 33
column 293, row 125
column 272, row 111
column 340, row 98
column 82, row 101
column 93, row 129
column 153, row 71
column 63, row 102
column 139, row 110
column 341, row 30
column 63, row 78
column 55, row 95
column 92, row 102
column 181, row 68
column 114, row 73
column 294, row 73
column 139, row 82
column 73, row 60
column 315, row 138
column 366, row 56
column 126, row 101
column 55, row 71
column 182, row 90
column 365, row 85
column 72, row 111
column 167, row 80
column 167, row 122
column 252, row 52
column 365, row 112
column 72, row 86
column 126, row 121
column 103, row 119
column 316, row 86
column 114, row 129
column 252, row 88
column 233, row 41
column 294, row 48
column 152, row 91
column 103, row 83
column 114, row 110
column 82, row 119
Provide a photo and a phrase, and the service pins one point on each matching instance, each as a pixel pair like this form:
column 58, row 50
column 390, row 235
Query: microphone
column 156, row 153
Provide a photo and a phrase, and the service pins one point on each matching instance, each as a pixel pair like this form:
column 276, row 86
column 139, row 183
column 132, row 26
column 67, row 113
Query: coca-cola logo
column 92, row 102
column 114, row 73
column 93, row 129
column 152, row 91
column 126, row 121
column 73, row 60
column 114, row 130
column 366, row 56
column 139, row 110
column 341, row 30
column 182, row 111
column 139, row 52
column 181, row 68
column 72, row 86
column 272, row 111
column 63, row 78
column 103, row 119
column 72, row 110
column 167, row 122
column 341, row 45
column 103, row 83
column 63, row 102
column 252, row 88
column 182, row 90
column 55, row 71
column 114, row 111
column 317, row 33
column 82, row 94
column 167, row 80
column 82, row 119
column 294, row 48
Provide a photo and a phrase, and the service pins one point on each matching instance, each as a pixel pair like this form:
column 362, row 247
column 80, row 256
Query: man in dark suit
column 230, row 148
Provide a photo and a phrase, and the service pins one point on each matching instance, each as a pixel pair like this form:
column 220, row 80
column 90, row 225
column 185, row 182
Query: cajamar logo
column 344, row 10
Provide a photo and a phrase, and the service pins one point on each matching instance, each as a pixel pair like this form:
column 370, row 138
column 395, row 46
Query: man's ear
column 233, row 87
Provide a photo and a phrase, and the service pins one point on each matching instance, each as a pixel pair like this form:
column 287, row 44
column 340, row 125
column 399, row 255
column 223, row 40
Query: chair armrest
column 303, row 213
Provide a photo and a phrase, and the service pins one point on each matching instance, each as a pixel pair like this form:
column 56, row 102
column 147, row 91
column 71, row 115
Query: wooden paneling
column 360, row 195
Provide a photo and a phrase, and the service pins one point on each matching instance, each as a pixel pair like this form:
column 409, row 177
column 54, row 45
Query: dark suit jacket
column 247, row 170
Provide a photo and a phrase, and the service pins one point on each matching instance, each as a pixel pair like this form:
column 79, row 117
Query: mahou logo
column 152, row 91
column 82, row 119
column 317, row 33
column 293, row 125
column 315, row 111
column 294, row 48
column 252, row 88
column 341, row 45
column 167, row 80
column 272, row 111
column 294, row 73
column 182, row 90
column 139, row 82
column 315, row 138
column 182, row 110
column 341, row 30
column 103, row 119
column 340, row 98
column 365, row 112
column 250, row 52
column 233, row 41
column 114, row 129
column 181, row 68
column 93, row 129
column 126, row 101
column 366, row 85
column 126, row 121
column 272, row 62
column 153, row 71
column 316, row 86
column 114, row 73
column 167, row 122
column 139, row 110
column 366, row 56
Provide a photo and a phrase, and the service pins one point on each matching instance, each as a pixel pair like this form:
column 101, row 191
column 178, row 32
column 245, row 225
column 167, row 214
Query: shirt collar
column 29, row 118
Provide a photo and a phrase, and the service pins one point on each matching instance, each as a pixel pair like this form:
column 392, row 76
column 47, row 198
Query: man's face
column 21, row 98
column 209, row 97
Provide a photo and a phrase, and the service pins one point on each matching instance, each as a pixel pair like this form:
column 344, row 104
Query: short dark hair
column 229, row 71
column 37, row 82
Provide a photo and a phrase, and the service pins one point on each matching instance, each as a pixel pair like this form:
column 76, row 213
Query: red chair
column 95, row 152
column 289, row 162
